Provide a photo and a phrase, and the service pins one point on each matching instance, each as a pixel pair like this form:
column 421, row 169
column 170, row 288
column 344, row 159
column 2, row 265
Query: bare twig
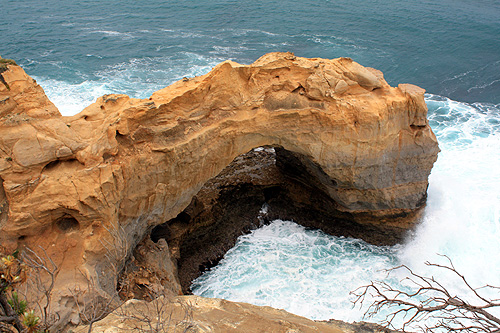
column 45, row 272
column 159, row 315
column 429, row 305
column 91, row 305
column 117, row 247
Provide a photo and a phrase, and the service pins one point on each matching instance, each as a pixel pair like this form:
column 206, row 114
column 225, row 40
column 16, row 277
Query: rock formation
column 95, row 184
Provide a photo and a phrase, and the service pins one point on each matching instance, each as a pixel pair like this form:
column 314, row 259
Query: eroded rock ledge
column 133, row 164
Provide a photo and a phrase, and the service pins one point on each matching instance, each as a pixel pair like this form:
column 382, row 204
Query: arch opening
column 262, row 185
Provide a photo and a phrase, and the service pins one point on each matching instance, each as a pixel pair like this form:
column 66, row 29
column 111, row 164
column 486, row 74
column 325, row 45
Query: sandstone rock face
column 129, row 164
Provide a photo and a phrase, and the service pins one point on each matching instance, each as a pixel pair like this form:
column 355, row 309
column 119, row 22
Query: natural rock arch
column 138, row 163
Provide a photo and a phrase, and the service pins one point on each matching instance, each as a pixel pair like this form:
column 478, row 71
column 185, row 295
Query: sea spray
column 462, row 217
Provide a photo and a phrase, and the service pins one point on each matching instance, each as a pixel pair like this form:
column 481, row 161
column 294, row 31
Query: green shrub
column 31, row 321
column 7, row 61
column 4, row 63
column 17, row 304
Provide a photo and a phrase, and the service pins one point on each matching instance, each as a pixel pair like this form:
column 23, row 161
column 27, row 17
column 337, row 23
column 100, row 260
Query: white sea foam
column 129, row 78
column 244, row 32
column 72, row 98
column 123, row 35
column 229, row 50
column 303, row 271
column 179, row 33
column 462, row 218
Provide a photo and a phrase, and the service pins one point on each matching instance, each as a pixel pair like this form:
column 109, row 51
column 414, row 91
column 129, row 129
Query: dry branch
column 429, row 305
column 160, row 315
column 43, row 278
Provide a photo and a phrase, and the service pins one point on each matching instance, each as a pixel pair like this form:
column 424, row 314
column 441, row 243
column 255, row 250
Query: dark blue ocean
column 80, row 50
column 86, row 48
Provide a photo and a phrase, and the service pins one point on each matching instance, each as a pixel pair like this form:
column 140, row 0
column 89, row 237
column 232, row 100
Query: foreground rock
column 89, row 188
column 198, row 314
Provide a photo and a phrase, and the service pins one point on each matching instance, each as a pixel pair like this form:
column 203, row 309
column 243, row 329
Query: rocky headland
column 143, row 194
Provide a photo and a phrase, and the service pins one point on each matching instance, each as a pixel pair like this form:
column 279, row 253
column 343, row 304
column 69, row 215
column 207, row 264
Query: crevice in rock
column 2, row 79
column 4, row 205
column 52, row 165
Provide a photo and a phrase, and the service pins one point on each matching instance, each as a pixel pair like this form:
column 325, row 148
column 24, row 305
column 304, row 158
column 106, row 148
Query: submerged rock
column 95, row 184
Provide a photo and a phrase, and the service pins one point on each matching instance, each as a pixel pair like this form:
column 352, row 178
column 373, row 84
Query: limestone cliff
column 128, row 164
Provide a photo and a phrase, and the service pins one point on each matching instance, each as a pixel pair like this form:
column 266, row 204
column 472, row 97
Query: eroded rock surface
column 129, row 164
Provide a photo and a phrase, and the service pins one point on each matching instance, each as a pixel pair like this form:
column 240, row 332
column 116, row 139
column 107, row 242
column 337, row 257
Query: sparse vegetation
column 12, row 273
column 92, row 306
column 7, row 61
column 42, row 280
column 161, row 315
column 35, row 271
column 4, row 65
column 31, row 321
column 18, row 305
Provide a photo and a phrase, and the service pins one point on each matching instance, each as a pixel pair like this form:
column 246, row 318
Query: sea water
column 80, row 50
column 305, row 272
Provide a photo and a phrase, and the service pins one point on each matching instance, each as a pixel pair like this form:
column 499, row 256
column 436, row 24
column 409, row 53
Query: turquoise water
column 306, row 272
column 81, row 50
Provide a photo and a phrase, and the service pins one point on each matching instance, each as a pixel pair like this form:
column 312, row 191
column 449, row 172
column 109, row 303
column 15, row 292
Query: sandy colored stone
column 198, row 314
column 136, row 163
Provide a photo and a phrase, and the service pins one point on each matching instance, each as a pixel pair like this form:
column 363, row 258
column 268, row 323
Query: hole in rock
column 289, row 185
column 67, row 224
column 107, row 156
column 51, row 165
column 56, row 163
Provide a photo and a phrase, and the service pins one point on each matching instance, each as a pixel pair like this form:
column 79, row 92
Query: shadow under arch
column 262, row 185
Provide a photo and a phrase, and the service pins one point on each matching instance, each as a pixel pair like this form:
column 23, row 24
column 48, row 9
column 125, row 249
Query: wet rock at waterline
column 99, row 181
